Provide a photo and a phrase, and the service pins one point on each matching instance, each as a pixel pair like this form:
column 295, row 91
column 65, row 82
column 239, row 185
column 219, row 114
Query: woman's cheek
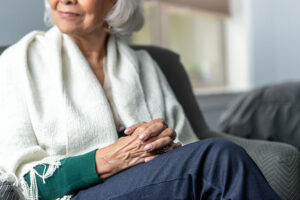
column 53, row 3
column 90, row 6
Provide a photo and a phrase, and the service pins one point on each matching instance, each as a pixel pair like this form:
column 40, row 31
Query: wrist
column 103, row 167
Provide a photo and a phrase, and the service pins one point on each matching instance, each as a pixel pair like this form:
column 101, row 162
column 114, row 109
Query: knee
column 223, row 146
column 216, row 149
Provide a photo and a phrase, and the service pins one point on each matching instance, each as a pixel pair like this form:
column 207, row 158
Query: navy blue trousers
column 208, row 169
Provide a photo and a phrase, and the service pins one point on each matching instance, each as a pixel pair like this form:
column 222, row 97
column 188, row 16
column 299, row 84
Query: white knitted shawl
column 52, row 105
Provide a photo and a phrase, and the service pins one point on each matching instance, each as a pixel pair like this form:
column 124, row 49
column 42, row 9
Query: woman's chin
column 79, row 31
column 69, row 28
column 69, row 31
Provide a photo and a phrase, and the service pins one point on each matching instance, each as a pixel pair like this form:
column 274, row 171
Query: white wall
column 237, row 45
column 18, row 17
column 275, row 41
column 263, row 43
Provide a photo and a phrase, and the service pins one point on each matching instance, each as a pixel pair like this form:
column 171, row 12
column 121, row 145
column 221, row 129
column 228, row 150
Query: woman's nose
column 68, row 2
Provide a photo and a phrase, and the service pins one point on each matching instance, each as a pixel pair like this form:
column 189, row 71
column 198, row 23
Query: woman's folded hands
column 144, row 142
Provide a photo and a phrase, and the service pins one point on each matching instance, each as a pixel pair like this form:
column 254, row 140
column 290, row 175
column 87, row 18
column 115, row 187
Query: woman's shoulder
column 147, row 63
column 15, row 58
column 22, row 46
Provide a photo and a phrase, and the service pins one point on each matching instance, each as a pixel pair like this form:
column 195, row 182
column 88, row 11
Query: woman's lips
column 68, row 15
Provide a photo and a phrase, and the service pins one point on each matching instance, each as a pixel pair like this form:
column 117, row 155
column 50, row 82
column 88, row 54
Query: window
column 197, row 36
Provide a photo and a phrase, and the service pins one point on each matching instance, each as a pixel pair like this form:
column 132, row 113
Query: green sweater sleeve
column 75, row 173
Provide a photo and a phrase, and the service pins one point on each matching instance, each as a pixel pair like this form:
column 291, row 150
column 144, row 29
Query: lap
column 167, row 172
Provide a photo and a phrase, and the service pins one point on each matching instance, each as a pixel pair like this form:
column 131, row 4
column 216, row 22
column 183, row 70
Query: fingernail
column 148, row 147
column 127, row 130
column 142, row 136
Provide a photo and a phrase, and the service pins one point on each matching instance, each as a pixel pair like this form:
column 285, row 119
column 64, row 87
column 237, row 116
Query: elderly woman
column 68, row 94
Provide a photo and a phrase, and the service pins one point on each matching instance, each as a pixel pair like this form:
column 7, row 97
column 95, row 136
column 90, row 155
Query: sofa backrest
column 2, row 48
column 170, row 64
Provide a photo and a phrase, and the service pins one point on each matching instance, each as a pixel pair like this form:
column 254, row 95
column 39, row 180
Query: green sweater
column 75, row 173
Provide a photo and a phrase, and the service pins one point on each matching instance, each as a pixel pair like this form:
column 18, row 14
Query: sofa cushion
column 268, row 113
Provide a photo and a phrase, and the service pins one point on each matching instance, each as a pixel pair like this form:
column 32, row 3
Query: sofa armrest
column 279, row 163
column 7, row 191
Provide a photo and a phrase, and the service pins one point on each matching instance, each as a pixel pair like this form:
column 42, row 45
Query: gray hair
column 126, row 17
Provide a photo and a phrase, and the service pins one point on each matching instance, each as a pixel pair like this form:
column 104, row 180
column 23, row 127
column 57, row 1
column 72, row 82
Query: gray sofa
column 270, row 113
column 279, row 162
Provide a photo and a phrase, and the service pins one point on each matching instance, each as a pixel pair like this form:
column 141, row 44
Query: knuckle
column 139, row 125
column 161, row 120
column 165, row 124
column 170, row 131
column 141, row 128
column 160, row 126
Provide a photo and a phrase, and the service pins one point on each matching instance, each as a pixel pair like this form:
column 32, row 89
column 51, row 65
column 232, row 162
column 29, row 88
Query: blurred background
column 227, row 46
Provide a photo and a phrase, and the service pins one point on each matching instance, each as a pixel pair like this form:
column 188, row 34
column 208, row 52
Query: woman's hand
column 126, row 152
column 156, row 133
column 145, row 141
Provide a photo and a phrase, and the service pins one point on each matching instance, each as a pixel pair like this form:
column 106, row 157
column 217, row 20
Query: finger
column 168, row 133
column 131, row 129
column 158, row 144
column 173, row 134
column 160, row 120
column 155, row 129
column 150, row 158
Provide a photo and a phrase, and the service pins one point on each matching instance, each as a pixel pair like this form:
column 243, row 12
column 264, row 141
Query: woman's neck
column 93, row 46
